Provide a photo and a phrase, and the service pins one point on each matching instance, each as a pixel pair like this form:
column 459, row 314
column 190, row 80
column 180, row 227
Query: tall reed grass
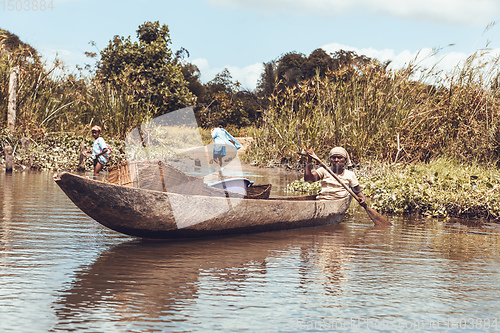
column 413, row 114
column 49, row 100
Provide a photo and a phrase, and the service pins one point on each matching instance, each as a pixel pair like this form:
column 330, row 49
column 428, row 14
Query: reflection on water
column 186, row 282
column 60, row 271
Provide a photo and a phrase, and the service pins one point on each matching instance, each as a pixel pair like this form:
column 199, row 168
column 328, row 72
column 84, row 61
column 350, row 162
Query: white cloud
column 442, row 63
column 451, row 11
column 247, row 76
column 70, row 59
column 448, row 11
column 425, row 58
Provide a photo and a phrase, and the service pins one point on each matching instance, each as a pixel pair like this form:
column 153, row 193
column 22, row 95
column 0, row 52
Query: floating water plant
column 441, row 188
column 301, row 186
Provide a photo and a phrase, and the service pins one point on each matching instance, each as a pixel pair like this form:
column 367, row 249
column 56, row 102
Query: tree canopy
column 146, row 70
column 138, row 78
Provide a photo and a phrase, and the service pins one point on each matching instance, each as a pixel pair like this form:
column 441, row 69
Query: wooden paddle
column 376, row 217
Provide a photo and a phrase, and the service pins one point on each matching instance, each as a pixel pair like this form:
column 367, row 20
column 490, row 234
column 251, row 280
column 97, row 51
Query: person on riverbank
column 99, row 151
column 222, row 138
column 330, row 187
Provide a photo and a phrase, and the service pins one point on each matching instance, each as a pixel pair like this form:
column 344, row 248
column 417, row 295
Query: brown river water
column 60, row 271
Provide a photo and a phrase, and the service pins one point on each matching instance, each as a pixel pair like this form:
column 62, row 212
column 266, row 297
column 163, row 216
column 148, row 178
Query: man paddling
column 330, row 187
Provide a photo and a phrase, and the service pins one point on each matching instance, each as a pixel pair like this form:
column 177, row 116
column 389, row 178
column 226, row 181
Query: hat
column 96, row 128
column 342, row 152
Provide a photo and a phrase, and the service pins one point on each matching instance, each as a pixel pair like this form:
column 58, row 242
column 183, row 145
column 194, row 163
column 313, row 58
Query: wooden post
column 8, row 207
column 25, row 143
column 83, row 154
column 12, row 102
column 9, row 161
column 162, row 179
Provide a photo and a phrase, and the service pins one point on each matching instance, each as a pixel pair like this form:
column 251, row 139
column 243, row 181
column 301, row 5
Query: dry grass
column 367, row 110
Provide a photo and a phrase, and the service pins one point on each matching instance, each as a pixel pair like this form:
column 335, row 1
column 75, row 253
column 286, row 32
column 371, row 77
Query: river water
column 62, row 272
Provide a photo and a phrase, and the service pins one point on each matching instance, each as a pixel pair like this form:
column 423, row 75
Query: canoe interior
column 158, row 175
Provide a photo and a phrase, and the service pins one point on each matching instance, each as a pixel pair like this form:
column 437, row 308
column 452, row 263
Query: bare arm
column 361, row 195
column 310, row 175
column 102, row 152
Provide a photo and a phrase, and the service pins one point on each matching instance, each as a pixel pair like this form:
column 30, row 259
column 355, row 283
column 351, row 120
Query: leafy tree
column 252, row 106
column 291, row 68
column 268, row 79
column 348, row 63
column 318, row 61
column 221, row 102
column 349, row 58
column 19, row 52
column 145, row 69
column 14, row 52
column 191, row 73
column 223, row 82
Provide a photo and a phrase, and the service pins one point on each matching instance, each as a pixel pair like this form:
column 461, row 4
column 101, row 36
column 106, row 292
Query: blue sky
column 242, row 34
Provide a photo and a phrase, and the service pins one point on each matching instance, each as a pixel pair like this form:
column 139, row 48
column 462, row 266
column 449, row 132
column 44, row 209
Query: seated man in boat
column 330, row 188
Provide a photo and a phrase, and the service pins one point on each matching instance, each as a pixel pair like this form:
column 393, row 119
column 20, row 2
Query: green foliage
column 301, row 186
column 441, row 188
column 42, row 97
column 147, row 69
column 268, row 81
column 290, row 68
column 409, row 115
column 318, row 61
column 54, row 152
column 388, row 116
column 191, row 73
column 223, row 101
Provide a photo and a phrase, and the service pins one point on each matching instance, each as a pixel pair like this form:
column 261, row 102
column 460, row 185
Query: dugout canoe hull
column 163, row 215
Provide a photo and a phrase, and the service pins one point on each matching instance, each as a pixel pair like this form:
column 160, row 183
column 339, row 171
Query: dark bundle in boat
column 157, row 175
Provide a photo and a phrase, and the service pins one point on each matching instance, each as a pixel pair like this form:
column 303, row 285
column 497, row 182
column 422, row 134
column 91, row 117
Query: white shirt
column 330, row 187
column 98, row 147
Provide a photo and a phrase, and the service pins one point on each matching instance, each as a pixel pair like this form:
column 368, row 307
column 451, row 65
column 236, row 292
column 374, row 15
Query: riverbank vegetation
column 377, row 114
column 442, row 188
column 424, row 141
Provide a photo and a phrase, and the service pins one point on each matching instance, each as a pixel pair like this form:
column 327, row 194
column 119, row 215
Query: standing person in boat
column 99, row 151
column 222, row 138
column 330, row 188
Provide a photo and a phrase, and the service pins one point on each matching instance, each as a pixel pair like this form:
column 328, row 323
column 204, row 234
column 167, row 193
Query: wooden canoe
column 166, row 215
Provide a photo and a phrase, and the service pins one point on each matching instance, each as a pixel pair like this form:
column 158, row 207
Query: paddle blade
column 376, row 217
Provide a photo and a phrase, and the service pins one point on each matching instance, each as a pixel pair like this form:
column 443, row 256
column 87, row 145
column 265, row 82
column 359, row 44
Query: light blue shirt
column 98, row 147
column 222, row 137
